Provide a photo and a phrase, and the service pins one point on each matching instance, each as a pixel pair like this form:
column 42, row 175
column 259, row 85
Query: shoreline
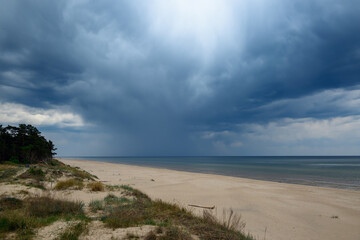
column 296, row 181
column 279, row 210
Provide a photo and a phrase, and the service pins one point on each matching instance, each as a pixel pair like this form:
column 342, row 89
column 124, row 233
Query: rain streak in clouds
column 182, row 77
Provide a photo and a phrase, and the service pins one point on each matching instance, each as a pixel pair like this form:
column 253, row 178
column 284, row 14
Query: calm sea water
column 339, row 172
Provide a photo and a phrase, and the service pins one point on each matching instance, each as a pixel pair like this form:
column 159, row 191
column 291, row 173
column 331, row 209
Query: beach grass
column 176, row 220
column 69, row 184
column 96, row 186
column 33, row 173
column 74, row 231
column 24, row 216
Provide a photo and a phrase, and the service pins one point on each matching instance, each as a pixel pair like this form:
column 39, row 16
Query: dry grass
column 60, row 167
column 69, row 184
column 96, row 186
column 179, row 223
column 233, row 221
column 10, row 203
column 14, row 221
column 23, row 216
column 7, row 171
column 73, row 232
column 45, row 206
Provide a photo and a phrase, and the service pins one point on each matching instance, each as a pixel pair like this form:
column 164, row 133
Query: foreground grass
column 175, row 220
column 24, row 216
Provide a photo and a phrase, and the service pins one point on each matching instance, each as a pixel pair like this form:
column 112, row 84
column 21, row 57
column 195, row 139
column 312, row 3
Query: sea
column 337, row 172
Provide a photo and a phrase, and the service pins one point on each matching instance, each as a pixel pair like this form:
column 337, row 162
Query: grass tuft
column 69, row 184
column 73, row 232
column 96, row 205
column 127, row 188
column 96, row 186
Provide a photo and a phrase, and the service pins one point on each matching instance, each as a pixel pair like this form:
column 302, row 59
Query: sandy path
column 286, row 211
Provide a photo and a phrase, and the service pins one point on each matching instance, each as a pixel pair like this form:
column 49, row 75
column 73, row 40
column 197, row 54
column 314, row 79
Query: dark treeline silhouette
column 24, row 144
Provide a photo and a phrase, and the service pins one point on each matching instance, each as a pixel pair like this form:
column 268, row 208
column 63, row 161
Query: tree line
column 24, row 144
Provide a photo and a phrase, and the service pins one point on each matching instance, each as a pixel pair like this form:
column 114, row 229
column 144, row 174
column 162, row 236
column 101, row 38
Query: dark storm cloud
column 130, row 75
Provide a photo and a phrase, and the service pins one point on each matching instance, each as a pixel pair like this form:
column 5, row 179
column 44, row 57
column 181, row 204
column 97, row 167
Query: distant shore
column 270, row 209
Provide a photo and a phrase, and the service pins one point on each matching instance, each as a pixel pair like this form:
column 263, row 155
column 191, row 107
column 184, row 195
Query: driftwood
column 192, row 205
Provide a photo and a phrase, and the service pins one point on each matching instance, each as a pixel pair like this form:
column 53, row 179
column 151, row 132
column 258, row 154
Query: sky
column 182, row 77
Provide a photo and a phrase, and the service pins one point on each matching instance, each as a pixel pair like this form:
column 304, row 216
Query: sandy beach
column 271, row 210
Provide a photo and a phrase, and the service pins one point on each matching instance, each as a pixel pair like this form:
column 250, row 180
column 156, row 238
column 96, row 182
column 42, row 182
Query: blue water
column 338, row 172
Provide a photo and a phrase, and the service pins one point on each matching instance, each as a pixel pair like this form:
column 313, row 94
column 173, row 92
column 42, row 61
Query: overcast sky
column 168, row 77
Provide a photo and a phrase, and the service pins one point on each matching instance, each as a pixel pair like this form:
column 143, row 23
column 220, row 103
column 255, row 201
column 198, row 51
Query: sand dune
column 271, row 210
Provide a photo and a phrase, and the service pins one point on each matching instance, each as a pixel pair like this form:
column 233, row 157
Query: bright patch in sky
column 12, row 113
column 199, row 25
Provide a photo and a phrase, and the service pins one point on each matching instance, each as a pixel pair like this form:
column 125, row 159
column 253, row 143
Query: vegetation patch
column 34, row 184
column 46, row 206
column 23, row 216
column 113, row 187
column 96, row 205
column 96, row 186
column 14, row 220
column 73, row 232
column 10, row 203
column 58, row 169
column 7, row 171
column 69, row 184
column 127, row 188
column 179, row 223
column 33, row 173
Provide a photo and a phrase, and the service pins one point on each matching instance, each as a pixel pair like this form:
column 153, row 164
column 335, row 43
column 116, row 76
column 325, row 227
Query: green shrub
column 14, row 160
